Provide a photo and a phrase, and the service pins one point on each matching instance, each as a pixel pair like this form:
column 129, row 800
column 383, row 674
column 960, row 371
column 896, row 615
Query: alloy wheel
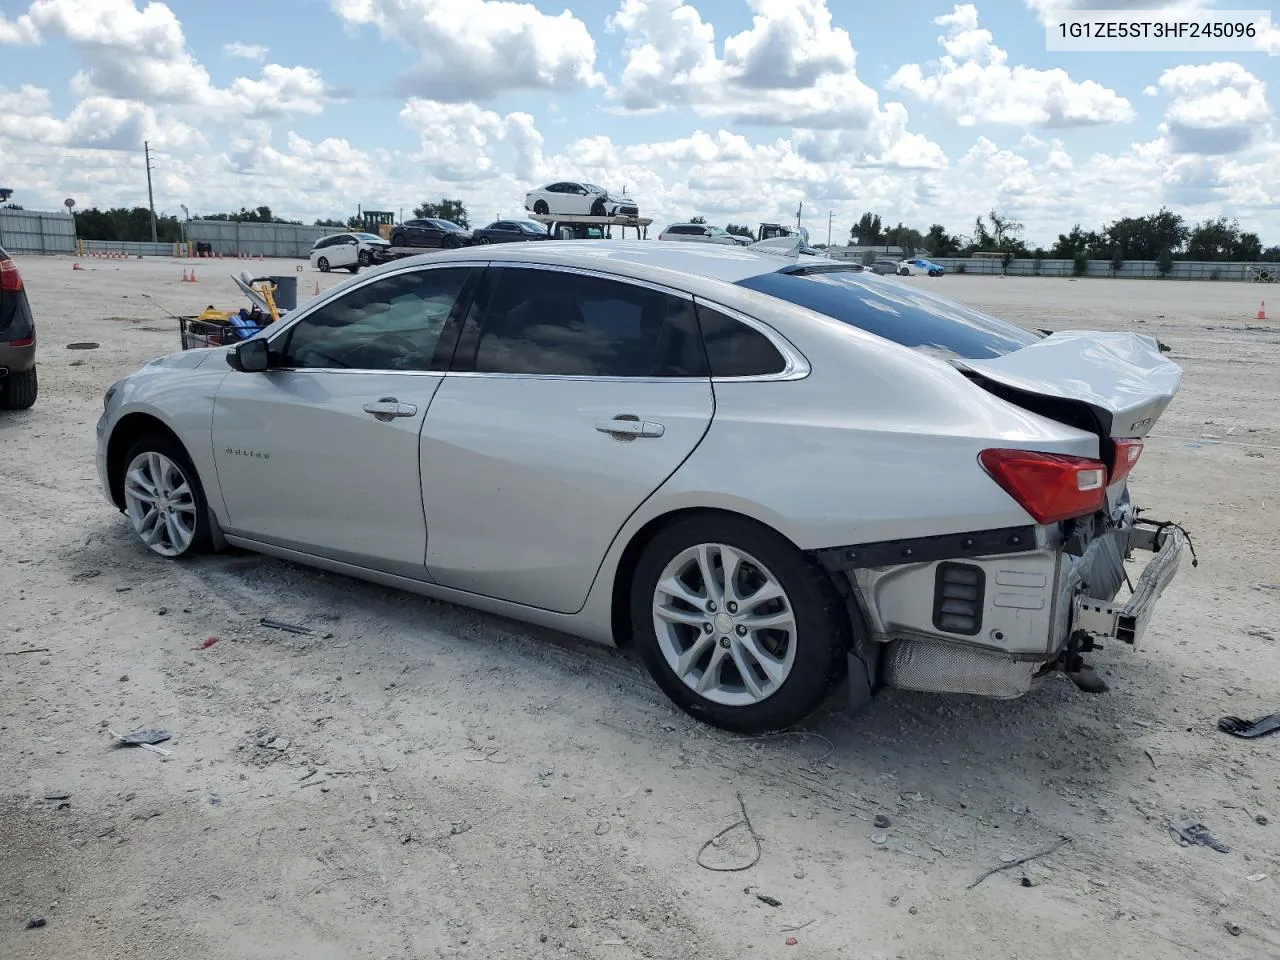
column 161, row 504
column 724, row 624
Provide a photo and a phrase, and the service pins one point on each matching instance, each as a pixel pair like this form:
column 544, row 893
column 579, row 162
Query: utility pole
column 799, row 213
column 830, row 217
column 151, row 200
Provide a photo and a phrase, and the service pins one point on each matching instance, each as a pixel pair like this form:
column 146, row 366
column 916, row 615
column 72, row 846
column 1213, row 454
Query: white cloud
column 1047, row 8
column 974, row 84
column 245, row 51
column 476, row 49
column 142, row 55
column 1214, row 108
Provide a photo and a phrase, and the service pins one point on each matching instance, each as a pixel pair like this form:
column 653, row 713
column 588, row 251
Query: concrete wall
column 1132, row 269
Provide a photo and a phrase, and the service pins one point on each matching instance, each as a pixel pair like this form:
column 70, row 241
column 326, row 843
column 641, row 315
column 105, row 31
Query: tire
column 364, row 258
column 484, row 240
column 597, row 208
column 397, row 240
column 904, row 272
column 159, row 455
column 323, row 264
column 540, row 206
column 18, row 390
column 354, row 268
column 806, row 661
column 450, row 243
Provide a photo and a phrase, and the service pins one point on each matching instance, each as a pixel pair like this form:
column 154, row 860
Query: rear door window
column 554, row 323
column 897, row 312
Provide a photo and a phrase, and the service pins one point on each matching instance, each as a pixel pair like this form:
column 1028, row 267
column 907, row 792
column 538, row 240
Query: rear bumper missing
column 1127, row 622
column 990, row 614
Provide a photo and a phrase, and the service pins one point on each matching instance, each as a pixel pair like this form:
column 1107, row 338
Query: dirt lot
column 488, row 791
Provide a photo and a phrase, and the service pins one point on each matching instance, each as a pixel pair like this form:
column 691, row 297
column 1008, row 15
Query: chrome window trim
column 597, row 274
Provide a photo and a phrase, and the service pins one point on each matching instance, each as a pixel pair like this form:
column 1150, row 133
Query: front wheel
column 323, row 264
column 597, row 208
column 364, row 258
column 164, row 499
column 736, row 625
column 904, row 272
column 483, row 240
column 540, row 206
column 18, row 390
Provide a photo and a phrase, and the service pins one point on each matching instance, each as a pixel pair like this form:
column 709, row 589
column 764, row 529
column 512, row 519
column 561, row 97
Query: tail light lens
column 1049, row 486
column 10, row 278
column 1124, row 459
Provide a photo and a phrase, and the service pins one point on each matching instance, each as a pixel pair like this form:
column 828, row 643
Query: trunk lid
column 1115, row 384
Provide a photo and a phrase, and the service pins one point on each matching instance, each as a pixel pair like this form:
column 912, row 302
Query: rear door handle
column 629, row 429
column 388, row 408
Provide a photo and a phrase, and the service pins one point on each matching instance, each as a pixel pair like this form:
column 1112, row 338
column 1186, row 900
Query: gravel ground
column 414, row 780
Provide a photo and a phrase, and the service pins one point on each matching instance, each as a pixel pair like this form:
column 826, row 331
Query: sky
column 736, row 110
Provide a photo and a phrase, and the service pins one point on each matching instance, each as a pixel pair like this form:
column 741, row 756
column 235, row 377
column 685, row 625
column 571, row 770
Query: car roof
column 634, row 257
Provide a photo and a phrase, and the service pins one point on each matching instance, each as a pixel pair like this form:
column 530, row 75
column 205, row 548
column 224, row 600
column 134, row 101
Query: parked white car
column 702, row 233
column 570, row 198
column 349, row 250
column 767, row 471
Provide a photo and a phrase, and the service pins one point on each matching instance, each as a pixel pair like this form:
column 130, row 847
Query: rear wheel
column 736, row 625
column 18, row 390
column 397, row 240
column 164, row 499
column 323, row 264
column 354, row 268
column 484, row 240
column 540, row 206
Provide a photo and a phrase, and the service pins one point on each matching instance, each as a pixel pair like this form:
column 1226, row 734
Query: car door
column 344, row 252
column 319, row 453
column 572, row 398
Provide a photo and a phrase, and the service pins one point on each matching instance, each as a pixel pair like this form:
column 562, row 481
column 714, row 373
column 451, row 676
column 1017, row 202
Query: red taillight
column 1049, row 486
column 10, row 278
column 1124, row 459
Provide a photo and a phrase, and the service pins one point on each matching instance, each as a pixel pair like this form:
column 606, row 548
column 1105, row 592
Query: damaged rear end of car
column 991, row 612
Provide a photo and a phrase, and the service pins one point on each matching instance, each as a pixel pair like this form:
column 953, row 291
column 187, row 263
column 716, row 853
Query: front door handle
column 628, row 428
column 388, row 408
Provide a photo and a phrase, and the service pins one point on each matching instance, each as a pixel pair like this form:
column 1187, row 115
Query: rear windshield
column 897, row 312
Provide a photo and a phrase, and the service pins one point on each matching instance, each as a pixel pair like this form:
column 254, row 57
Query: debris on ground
column 882, row 822
column 1233, row 928
column 35, row 923
column 286, row 627
column 1250, row 729
column 146, row 739
column 206, row 643
column 1192, row 832
column 1018, row 861
column 771, row 901
column 792, row 941
column 18, row 653
column 745, row 821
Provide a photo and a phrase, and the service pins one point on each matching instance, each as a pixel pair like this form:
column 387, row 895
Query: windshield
column 447, row 225
column 531, row 226
column 719, row 231
column 896, row 312
column 370, row 236
column 593, row 188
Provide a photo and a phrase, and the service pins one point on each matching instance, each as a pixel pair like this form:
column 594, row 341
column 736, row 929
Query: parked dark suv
column 17, row 340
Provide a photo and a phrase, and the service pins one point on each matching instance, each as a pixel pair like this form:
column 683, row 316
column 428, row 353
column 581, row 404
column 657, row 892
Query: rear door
column 320, row 452
column 573, row 397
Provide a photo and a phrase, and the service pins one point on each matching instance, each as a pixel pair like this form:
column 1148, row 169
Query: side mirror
column 249, row 357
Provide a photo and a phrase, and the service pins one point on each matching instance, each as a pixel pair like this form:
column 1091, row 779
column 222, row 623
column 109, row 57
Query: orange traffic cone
column 186, row 277
column 1262, row 311
column 193, row 275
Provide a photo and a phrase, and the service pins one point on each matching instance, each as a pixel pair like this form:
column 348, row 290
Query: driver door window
column 394, row 323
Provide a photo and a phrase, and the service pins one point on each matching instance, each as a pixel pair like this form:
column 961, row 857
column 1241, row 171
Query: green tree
column 909, row 239
column 261, row 214
column 1214, row 240
column 125, row 224
column 739, row 230
column 1117, row 260
column 868, row 257
column 698, row 219
column 1164, row 262
column 866, row 232
column 939, row 243
column 1142, row 238
column 454, row 211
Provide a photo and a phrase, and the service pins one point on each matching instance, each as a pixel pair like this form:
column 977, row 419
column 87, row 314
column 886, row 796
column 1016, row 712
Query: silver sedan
column 766, row 471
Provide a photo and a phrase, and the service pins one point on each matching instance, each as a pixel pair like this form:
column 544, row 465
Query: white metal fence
column 233, row 239
column 35, row 231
